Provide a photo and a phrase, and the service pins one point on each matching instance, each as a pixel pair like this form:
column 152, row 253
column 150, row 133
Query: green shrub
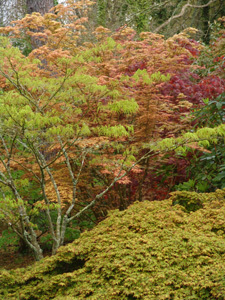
column 8, row 239
column 207, row 169
column 153, row 250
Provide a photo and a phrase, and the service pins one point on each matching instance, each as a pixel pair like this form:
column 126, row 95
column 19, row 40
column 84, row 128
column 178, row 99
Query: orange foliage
column 58, row 36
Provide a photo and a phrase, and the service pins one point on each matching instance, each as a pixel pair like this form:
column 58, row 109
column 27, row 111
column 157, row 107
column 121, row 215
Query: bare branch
column 181, row 14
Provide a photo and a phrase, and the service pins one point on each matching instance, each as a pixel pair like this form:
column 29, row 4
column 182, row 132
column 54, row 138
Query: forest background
column 104, row 104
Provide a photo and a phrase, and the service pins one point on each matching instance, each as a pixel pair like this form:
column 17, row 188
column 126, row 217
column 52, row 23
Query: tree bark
column 41, row 6
column 11, row 10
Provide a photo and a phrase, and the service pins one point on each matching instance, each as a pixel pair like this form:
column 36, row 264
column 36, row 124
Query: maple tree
column 165, row 107
column 46, row 123
column 77, row 117
column 206, row 169
column 49, row 108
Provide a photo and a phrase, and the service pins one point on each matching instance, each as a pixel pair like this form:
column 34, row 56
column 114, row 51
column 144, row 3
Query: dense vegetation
column 92, row 121
column 152, row 250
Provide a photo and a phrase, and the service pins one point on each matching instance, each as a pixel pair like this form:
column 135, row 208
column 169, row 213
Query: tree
column 41, row 6
column 11, row 10
column 164, row 17
column 47, row 120
column 78, row 119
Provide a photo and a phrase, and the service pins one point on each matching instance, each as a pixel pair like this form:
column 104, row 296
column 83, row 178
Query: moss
column 153, row 250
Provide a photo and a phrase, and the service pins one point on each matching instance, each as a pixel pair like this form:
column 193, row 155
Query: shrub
column 153, row 250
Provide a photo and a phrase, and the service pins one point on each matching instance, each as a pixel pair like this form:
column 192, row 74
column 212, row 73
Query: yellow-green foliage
column 153, row 250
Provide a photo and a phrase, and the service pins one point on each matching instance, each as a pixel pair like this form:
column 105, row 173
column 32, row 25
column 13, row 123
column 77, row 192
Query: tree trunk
column 11, row 10
column 41, row 6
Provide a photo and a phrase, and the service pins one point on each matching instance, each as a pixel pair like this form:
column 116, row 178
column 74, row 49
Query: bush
column 153, row 250
column 207, row 168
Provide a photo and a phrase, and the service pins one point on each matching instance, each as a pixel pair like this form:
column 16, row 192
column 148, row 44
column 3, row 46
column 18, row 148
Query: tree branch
column 181, row 14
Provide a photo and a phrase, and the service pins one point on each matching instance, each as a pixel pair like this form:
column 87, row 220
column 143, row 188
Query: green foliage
column 212, row 113
column 8, row 239
column 70, row 235
column 149, row 79
column 114, row 15
column 203, row 136
column 207, row 170
column 125, row 106
column 44, row 118
column 61, row 111
column 153, row 250
column 46, row 242
column 24, row 45
column 101, row 13
column 191, row 201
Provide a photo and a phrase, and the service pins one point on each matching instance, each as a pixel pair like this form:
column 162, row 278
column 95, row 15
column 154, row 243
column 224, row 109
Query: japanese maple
column 85, row 122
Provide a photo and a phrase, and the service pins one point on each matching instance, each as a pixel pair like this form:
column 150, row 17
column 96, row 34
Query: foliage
column 206, row 170
column 40, row 136
column 203, row 168
column 8, row 238
column 84, row 124
column 154, row 250
column 217, row 42
column 164, row 17
column 161, row 113
column 211, row 58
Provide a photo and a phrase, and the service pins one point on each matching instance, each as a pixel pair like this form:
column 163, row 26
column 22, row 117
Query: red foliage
column 164, row 107
column 193, row 87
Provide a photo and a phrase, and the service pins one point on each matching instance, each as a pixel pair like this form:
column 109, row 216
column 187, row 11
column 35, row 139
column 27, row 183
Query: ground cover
column 171, row 249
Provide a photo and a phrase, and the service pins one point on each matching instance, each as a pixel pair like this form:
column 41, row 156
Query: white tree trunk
column 11, row 10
